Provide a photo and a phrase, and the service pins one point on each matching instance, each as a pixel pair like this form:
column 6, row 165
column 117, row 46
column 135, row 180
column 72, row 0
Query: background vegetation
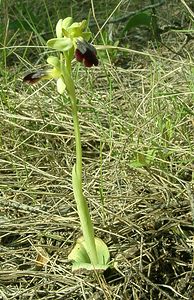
column 137, row 121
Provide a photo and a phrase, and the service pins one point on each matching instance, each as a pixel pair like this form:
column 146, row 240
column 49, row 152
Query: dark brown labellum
column 86, row 53
column 35, row 76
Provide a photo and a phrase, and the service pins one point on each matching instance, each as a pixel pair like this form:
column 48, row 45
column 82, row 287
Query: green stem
column 82, row 207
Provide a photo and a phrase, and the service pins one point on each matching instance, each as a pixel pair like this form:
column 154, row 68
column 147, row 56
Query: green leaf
column 138, row 20
column 143, row 159
column 79, row 253
column 81, row 259
column 102, row 252
column 137, row 164
column 60, row 44
column 150, row 156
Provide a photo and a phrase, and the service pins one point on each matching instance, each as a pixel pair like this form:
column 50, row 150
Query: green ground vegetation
column 137, row 125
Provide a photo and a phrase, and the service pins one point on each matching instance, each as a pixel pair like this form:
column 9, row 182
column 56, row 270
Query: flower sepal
column 60, row 44
column 67, row 22
column 54, row 61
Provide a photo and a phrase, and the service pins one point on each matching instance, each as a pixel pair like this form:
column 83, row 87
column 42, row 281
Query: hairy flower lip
column 41, row 74
column 86, row 53
column 34, row 77
column 89, row 59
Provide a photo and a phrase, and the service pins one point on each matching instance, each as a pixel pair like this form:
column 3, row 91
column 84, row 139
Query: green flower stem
column 82, row 207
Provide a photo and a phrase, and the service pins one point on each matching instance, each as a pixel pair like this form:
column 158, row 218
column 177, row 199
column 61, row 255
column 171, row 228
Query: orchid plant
column 71, row 42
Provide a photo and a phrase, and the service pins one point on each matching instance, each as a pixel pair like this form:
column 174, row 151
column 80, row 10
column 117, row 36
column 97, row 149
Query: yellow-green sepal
column 63, row 25
column 67, row 22
column 54, row 61
column 76, row 29
column 60, row 44
column 86, row 35
column 59, row 32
